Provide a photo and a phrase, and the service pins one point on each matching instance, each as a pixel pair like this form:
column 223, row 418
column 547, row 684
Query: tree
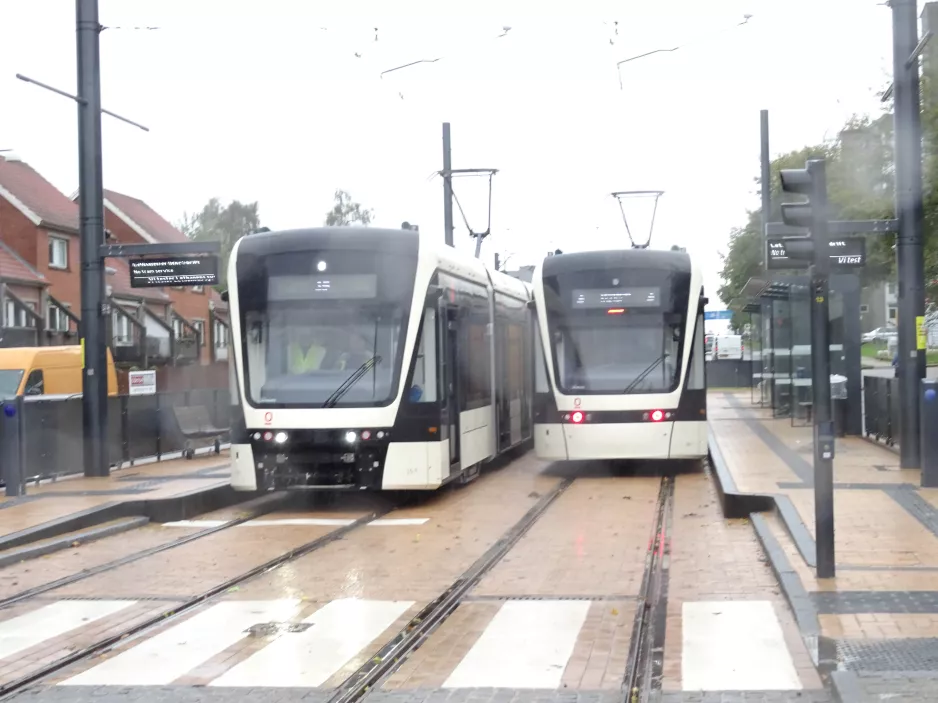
column 224, row 224
column 860, row 186
column 346, row 212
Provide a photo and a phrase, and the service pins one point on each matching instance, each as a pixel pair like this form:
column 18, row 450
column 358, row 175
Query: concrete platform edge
column 41, row 550
column 735, row 505
column 181, row 507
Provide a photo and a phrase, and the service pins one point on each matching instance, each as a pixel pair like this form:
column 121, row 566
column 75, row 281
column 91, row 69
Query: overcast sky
column 282, row 102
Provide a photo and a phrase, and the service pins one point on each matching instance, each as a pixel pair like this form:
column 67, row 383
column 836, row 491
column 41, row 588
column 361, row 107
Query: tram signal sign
column 798, row 252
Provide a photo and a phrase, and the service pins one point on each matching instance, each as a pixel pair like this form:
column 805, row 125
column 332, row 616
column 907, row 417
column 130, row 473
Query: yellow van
column 46, row 371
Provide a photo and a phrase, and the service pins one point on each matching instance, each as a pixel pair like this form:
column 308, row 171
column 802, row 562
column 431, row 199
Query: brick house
column 40, row 283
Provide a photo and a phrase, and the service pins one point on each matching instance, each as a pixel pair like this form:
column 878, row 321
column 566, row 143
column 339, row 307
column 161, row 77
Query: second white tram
column 373, row 359
column 620, row 372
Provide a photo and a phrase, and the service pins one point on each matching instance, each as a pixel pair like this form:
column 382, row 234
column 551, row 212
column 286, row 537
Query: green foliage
column 225, row 224
column 347, row 212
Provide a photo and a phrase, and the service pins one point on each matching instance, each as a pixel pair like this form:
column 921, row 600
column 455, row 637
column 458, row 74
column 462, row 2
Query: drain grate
column 918, row 654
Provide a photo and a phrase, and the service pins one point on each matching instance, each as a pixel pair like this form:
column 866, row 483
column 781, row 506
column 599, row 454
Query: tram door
column 449, row 378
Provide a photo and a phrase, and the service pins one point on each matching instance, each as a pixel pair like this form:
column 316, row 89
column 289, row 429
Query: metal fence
column 881, row 408
column 139, row 427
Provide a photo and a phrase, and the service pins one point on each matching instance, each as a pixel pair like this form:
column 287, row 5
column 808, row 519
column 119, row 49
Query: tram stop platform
column 873, row 629
column 54, row 515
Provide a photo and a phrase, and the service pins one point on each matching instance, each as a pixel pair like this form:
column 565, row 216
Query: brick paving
column 880, row 614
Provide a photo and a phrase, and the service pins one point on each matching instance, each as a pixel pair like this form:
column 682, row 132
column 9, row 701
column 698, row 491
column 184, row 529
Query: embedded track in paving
column 102, row 645
column 262, row 506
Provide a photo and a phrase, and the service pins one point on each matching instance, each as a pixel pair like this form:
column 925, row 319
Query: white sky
column 268, row 102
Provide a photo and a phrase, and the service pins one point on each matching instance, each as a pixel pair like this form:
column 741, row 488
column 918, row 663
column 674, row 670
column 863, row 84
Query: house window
column 120, row 324
column 57, row 320
column 220, row 335
column 15, row 316
column 58, row 253
column 199, row 326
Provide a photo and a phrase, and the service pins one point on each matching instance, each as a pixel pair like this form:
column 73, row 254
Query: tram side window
column 474, row 363
column 697, row 380
column 423, row 388
column 540, row 367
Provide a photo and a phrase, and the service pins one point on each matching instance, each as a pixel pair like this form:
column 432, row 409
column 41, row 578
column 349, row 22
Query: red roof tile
column 12, row 267
column 51, row 205
column 120, row 285
column 146, row 217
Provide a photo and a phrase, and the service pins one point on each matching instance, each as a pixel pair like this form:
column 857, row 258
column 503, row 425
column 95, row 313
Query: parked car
column 880, row 334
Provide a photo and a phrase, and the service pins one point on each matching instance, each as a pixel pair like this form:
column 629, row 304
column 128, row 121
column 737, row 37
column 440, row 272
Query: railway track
column 13, row 687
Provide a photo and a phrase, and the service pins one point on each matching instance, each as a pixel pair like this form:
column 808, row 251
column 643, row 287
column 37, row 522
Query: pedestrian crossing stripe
column 526, row 644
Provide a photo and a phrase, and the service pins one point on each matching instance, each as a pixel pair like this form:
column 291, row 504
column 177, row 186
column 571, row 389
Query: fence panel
column 137, row 429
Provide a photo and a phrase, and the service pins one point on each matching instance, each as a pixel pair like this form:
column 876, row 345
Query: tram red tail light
column 657, row 415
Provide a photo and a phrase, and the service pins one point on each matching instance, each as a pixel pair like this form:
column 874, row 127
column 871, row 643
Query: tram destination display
column 645, row 297
column 845, row 253
column 174, row 271
column 336, row 286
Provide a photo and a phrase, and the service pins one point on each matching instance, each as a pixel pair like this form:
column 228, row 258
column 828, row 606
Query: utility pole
column 91, row 186
column 766, row 182
column 812, row 182
column 910, row 214
column 447, row 187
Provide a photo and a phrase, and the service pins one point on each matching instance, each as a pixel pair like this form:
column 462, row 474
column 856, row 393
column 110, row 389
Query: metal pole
column 821, row 377
column 766, row 182
column 909, row 211
column 94, row 379
column 447, row 187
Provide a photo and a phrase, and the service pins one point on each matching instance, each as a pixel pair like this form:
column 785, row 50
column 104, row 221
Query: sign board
column 845, row 253
column 142, row 382
column 174, row 271
column 718, row 314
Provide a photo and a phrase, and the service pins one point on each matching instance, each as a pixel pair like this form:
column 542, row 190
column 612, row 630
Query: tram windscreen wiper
column 357, row 375
column 651, row 367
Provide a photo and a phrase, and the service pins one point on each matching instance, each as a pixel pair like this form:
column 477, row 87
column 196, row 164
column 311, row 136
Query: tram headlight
column 280, row 437
column 350, row 437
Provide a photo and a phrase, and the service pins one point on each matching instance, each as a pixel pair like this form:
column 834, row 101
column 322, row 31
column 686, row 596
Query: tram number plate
column 348, row 458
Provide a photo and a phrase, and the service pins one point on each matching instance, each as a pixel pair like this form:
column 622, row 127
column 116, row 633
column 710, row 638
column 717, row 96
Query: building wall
column 32, row 244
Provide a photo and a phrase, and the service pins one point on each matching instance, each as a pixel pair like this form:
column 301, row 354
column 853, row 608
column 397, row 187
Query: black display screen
column 343, row 286
column 636, row 297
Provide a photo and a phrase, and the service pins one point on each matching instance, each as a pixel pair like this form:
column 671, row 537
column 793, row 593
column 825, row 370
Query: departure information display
column 322, row 286
column 645, row 297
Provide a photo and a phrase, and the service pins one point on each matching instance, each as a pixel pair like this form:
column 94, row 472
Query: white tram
column 373, row 359
column 622, row 373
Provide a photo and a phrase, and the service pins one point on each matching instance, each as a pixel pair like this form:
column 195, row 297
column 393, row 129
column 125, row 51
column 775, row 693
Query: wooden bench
column 195, row 423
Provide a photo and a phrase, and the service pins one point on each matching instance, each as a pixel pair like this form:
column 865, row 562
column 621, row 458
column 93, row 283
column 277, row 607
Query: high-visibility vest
column 310, row 361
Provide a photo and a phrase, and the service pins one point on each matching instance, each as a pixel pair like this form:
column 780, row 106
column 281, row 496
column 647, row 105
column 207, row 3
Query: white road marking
column 54, row 620
column 165, row 657
column 527, row 645
column 338, row 632
column 302, row 522
column 735, row 646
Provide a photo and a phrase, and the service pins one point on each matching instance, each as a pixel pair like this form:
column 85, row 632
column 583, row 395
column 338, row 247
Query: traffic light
column 811, row 214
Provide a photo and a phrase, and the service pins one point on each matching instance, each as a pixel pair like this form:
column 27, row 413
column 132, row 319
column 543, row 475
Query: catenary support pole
column 909, row 211
column 766, row 181
column 94, row 377
column 821, row 377
column 447, row 186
